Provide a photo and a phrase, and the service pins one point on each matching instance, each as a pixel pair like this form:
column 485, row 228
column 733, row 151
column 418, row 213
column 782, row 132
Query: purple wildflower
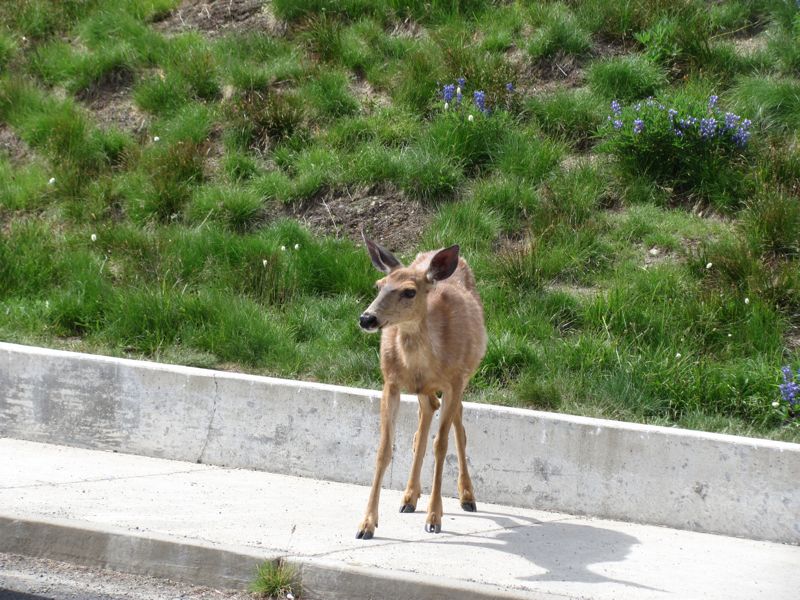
column 638, row 126
column 712, row 102
column 480, row 100
column 510, row 88
column 448, row 91
column 616, row 108
column 708, row 127
column 790, row 390
column 678, row 133
column 617, row 124
column 461, row 82
column 731, row 120
column 672, row 113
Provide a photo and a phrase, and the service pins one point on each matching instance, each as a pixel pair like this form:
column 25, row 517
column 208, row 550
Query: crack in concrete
column 211, row 420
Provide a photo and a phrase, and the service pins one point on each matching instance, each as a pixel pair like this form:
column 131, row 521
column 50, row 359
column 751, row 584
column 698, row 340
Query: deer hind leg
column 427, row 405
column 452, row 401
column 465, row 491
column 390, row 401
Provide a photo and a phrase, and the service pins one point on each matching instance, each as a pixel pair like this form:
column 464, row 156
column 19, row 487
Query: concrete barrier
column 656, row 475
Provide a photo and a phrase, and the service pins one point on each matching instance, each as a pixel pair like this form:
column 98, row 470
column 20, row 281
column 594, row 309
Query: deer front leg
column 465, row 492
column 390, row 401
column 433, row 523
column 427, row 404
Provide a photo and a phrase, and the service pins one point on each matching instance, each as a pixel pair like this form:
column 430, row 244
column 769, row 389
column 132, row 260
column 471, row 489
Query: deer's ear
column 382, row 259
column 443, row 264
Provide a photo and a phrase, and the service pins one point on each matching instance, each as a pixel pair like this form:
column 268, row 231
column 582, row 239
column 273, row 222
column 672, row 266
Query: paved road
column 23, row 578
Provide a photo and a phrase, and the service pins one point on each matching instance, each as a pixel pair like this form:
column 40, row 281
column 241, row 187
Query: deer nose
column 368, row 321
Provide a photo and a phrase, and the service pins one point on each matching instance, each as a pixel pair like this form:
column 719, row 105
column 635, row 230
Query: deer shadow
column 564, row 549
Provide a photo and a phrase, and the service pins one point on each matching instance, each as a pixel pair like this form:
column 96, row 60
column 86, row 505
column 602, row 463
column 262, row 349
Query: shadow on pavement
column 564, row 549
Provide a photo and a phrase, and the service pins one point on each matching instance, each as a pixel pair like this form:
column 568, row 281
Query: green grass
column 628, row 78
column 630, row 277
column 275, row 580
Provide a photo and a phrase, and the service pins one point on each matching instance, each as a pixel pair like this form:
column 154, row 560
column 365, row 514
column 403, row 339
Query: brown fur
column 430, row 344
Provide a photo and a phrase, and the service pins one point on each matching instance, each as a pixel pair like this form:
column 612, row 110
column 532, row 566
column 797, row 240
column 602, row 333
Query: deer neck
column 414, row 335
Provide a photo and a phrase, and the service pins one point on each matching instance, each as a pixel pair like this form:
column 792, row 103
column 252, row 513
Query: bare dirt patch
column 217, row 18
column 750, row 45
column 577, row 291
column 793, row 339
column 12, row 146
column 368, row 96
column 543, row 76
column 111, row 105
column 384, row 213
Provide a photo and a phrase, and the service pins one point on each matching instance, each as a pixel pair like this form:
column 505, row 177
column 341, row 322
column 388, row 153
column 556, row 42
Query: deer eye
column 408, row 293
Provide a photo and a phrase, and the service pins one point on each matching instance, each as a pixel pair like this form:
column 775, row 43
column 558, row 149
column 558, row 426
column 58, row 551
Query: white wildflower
column 458, row 91
column 283, row 248
column 51, row 181
column 654, row 251
column 156, row 138
column 709, row 265
column 470, row 118
column 747, row 300
column 776, row 404
column 678, row 355
column 446, row 105
column 94, row 237
column 264, row 262
column 297, row 246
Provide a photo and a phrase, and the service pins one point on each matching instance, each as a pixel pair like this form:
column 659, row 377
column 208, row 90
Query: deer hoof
column 431, row 528
column 408, row 508
column 469, row 506
column 364, row 534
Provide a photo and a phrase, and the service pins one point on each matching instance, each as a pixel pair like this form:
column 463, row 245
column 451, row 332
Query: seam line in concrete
column 101, row 479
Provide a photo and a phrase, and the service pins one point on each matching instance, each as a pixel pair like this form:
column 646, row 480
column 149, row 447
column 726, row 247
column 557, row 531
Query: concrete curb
column 622, row 471
column 228, row 568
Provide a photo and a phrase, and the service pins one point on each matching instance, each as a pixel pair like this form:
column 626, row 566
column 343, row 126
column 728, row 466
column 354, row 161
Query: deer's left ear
column 443, row 264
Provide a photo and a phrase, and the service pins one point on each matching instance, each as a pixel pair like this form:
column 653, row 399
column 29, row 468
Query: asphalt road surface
column 23, row 578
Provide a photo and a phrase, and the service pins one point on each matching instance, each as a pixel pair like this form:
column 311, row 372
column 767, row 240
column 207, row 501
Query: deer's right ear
column 382, row 259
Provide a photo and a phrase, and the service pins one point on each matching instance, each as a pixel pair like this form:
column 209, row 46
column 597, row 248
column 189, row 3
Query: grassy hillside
column 185, row 182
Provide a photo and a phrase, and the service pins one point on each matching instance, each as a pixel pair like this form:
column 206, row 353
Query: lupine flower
column 731, row 120
column 638, row 126
column 708, row 127
column 672, row 113
column 616, row 108
column 480, row 100
column 510, row 88
column 712, row 102
column 461, row 82
column 790, row 390
column 447, row 92
column 617, row 124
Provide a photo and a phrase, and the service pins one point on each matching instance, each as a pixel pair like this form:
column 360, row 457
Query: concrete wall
column 684, row 479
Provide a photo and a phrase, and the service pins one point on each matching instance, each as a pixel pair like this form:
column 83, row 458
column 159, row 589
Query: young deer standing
column 432, row 340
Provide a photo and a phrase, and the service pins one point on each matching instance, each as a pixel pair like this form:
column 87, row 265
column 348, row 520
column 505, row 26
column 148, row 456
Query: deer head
column 402, row 294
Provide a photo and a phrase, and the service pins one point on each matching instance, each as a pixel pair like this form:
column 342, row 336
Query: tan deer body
column 432, row 340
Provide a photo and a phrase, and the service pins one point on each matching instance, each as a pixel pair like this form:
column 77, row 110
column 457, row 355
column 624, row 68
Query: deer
column 433, row 339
